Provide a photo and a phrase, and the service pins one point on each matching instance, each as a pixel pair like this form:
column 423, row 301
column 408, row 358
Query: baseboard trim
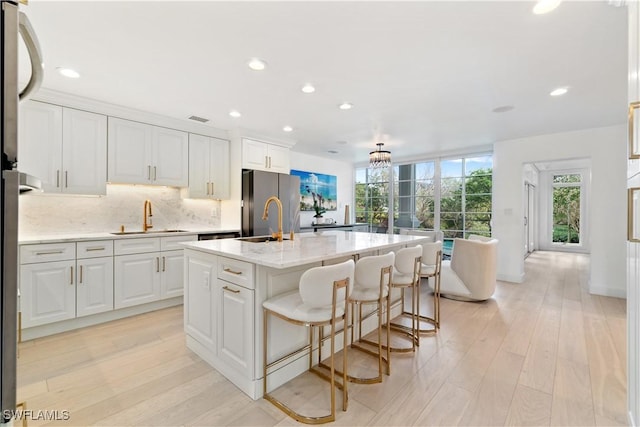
column 607, row 291
column 513, row 278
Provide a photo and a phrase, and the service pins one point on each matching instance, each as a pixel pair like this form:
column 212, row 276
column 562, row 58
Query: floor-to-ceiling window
column 566, row 200
column 452, row 195
column 372, row 198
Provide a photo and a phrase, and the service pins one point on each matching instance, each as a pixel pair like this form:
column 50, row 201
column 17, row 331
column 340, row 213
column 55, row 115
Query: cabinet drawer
column 47, row 252
column 173, row 243
column 234, row 271
column 136, row 246
column 94, row 249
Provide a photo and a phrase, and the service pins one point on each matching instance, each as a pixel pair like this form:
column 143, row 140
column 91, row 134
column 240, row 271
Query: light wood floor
column 544, row 352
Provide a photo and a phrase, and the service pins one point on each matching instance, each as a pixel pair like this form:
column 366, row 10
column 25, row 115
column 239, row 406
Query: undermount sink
column 259, row 239
column 123, row 233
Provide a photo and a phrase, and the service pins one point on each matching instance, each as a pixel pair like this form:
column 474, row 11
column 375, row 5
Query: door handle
column 157, row 264
column 66, row 179
column 149, row 172
column 266, row 162
column 35, row 56
column 235, row 291
column 80, row 273
column 154, row 173
column 164, row 263
column 71, row 281
column 207, row 188
column 57, row 178
column 228, row 270
column 213, row 189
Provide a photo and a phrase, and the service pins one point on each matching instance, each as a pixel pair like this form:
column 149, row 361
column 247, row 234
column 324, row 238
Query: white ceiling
column 425, row 76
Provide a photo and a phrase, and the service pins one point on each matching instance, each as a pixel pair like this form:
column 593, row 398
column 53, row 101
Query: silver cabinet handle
column 149, row 172
column 228, row 270
column 66, row 179
column 207, row 188
column 51, row 252
column 266, row 162
column 164, row 263
column 80, row 272
column 71, row 282
column 154, row 173
column 57, row 178
column 157, row 264
column 632, row 226
column 235, row 291
column 269, row 162
column 213, row 189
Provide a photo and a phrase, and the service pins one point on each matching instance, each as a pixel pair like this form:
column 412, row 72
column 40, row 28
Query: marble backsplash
column 123, row 205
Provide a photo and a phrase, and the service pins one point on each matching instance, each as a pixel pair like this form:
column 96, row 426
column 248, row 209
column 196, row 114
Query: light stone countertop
column 76, row 237
column 306, row 248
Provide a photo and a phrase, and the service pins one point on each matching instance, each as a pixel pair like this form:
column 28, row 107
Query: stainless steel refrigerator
column 257, row 187
column 12, row 24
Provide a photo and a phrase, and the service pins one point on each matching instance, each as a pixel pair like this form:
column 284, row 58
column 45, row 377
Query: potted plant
column 319, row 211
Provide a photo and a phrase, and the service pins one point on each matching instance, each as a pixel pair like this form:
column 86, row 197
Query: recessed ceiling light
column 503, row 109
column 559, row 91
column 287, row 129
column 345, row 106
column 257, row 64
column 545, row 6
column 68, row 72
column 308, row 88
column 235, row 113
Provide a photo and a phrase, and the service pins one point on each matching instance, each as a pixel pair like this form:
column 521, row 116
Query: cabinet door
column 47, row 292
column 199, row 161
column 137, row 279
column 94, row 289
column 235, row 326
column 170, row 157
column 219, row 169
column 40, row 143
column 84, row 154
column 254, row 155
column 279, row 159
column 199, row 312
column 172, row 282
column 129, row 152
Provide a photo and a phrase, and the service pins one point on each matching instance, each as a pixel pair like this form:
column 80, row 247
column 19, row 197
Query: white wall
column 344, row 176
column 606, row 147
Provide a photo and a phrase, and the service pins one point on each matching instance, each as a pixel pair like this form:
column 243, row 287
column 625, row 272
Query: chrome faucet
column 265, row 216
column 146, row 216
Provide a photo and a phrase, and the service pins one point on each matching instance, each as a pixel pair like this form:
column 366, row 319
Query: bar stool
column 430, row 267
column 321, row 300
column 406, row 274
column 372, row 284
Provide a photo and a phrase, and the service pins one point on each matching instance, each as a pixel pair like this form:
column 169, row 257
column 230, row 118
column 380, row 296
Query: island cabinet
column 226, row 282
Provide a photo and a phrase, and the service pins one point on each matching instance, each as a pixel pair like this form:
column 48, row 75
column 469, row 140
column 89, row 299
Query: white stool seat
column 291, row 305
column 427, row 270
column 401, row 279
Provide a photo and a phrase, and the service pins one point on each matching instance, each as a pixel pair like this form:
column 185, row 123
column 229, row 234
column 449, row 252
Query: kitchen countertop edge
column 78, row 237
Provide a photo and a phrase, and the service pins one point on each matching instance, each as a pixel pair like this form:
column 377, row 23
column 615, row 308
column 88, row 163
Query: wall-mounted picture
column 318, row 192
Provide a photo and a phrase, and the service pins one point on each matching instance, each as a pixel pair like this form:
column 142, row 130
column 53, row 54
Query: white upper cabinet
column 263, row 156
column 208, row 167
column 144, row 154
column 63, row 147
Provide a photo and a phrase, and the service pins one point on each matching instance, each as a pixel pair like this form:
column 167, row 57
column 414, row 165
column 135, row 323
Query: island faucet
column 265, row 216
column 146, row 216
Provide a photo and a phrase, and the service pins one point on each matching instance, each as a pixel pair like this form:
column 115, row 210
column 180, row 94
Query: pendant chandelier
column 380, row 158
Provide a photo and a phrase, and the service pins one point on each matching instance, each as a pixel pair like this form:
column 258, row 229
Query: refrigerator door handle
column 35, row 55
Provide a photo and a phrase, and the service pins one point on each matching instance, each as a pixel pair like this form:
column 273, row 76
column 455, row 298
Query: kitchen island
column 226, row 282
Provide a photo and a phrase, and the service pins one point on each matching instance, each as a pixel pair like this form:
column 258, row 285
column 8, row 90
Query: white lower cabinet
column 235, row 326
column 172, row 278
column 47, row 292
column 94, row 288
column 137, row 279
column 200, row 275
